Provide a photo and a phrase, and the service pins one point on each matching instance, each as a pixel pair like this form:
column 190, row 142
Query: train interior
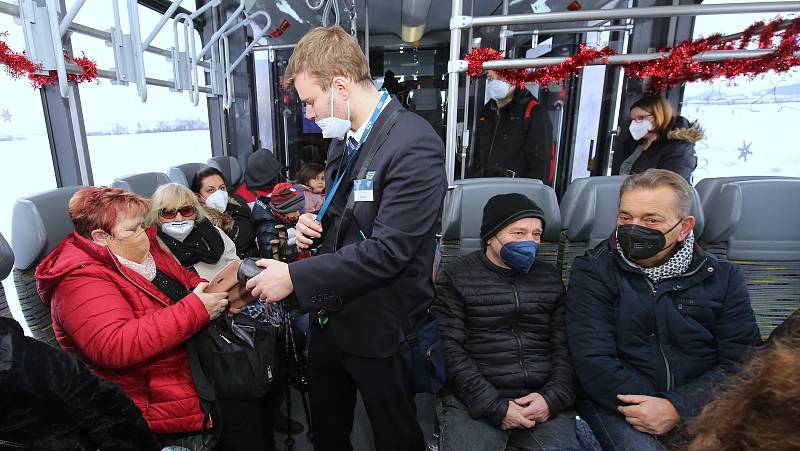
column 187, row 84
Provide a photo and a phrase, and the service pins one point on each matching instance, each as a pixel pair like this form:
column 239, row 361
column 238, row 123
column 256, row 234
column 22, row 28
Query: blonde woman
column 185, row 231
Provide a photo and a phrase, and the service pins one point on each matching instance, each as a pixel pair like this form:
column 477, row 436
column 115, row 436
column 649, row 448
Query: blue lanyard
column 341, row 174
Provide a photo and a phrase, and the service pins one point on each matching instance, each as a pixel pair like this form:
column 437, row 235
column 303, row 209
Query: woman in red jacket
column 126, row 307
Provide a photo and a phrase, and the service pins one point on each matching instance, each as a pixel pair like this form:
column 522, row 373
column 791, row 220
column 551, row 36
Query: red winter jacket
column 125, row 329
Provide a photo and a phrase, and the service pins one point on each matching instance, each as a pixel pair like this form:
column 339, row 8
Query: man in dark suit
column 363, row 291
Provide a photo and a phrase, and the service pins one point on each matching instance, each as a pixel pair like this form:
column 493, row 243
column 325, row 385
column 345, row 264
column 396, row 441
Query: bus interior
column 186, row 84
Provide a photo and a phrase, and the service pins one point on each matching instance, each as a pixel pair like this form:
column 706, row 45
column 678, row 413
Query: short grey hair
column 173, row 195
column 656, row 178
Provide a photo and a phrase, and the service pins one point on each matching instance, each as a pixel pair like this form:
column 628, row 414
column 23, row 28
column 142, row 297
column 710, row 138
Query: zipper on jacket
column 514, row 332
column 494, row 138
column 666, row 364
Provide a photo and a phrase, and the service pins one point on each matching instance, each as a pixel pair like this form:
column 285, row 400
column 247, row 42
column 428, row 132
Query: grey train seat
column 143, row 184
column 38, row 223
column 6, row 265
column 230, row 168
column 184, row 173
column 463, row 214
column 710, row 188
column 589, row 210
column 754, row 224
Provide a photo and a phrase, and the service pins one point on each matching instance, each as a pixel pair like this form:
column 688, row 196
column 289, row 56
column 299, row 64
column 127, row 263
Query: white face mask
column 640, row 129
column 498, row 89
column 332, row 126
column 178, row 230
column 218, row 200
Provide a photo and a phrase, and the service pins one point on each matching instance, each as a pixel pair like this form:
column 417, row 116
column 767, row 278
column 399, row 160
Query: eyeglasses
column 170, row 213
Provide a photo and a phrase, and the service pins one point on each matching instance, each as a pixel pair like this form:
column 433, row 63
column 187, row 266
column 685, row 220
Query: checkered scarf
column 676, row 266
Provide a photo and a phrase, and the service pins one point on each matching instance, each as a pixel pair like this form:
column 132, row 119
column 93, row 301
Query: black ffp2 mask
column 639, row 242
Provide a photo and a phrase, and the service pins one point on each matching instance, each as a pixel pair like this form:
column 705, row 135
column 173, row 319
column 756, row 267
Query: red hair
column 98, row 208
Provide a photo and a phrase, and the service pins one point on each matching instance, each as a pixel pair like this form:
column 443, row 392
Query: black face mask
column 639, row 242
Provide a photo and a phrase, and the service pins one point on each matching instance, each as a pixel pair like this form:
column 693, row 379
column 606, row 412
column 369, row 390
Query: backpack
column 528, row 112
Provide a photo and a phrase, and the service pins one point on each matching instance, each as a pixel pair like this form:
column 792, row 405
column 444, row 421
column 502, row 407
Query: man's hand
column 307, row 229
column 515, row 419
column 649, row 414
column 273, row 283
column 534, row 407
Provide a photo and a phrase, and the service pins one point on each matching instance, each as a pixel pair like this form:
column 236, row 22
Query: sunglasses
column 170, row 213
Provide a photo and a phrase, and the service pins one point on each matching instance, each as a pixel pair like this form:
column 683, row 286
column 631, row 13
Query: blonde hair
column 660, row 108
column 173, row 195
column 324, row 53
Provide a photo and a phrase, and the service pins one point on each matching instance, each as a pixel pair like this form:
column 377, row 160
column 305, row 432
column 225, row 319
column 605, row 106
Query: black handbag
column 232, row 358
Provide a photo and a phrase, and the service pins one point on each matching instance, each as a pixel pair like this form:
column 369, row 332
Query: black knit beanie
column 503, row 209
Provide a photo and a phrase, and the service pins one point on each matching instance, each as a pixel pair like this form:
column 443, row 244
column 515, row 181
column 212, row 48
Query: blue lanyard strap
column 341, row 174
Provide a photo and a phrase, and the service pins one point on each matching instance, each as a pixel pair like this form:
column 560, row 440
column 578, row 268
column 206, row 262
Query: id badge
column 362, row 190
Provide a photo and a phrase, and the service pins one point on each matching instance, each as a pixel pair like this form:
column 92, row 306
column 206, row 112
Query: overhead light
column 414, row 19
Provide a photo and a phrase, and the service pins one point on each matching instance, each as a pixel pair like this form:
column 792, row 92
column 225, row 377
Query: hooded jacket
column 673, row 150
column 49, row 400
column 125, row 329
column 675, row 339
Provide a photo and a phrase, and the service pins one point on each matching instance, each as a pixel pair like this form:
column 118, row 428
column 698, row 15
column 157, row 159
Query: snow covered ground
column 747, row 139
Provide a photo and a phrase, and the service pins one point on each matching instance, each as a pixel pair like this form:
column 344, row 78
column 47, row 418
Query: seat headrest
column 38, row 223
column 577, row 189
column 592, row 210
column 230, row 168
column 184, row 173
column 144, row 184
column 757, row 219
column 464, row 211
column 6, row 258
column 709, row 189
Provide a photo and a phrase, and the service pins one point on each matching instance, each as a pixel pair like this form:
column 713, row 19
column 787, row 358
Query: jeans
column 614, row 433
column 460, row 432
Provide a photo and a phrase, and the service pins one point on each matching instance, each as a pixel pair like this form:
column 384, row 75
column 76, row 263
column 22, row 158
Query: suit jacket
column 369, row 287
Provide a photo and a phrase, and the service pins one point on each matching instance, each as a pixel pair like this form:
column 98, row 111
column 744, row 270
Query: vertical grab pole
column 452, row 93
column 466, row 131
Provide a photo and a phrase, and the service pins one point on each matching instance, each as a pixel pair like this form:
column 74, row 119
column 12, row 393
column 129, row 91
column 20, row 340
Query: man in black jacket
column 514, row 134
column 373, row 276
column 501, row 319
column 654, row 322
column 49, row 400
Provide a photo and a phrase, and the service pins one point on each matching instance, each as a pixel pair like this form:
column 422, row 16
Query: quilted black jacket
column 503, row 335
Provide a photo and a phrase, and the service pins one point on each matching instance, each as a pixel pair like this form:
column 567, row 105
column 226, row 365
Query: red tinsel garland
column 18, row 65
column 544, row 76
column 675, row 67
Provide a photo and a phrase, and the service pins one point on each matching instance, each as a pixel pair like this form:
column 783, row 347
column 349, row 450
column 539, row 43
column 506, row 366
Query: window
column 127, row 136
column 24, row 147
column 746, row 122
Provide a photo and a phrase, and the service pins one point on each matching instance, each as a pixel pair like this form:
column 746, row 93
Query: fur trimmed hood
column 683, row 130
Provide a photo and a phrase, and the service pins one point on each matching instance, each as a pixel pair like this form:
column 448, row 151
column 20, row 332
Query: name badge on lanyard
column 362, row 190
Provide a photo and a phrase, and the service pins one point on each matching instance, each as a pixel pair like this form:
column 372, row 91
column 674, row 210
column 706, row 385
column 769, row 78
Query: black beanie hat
column 503, row 209
column 262, row 169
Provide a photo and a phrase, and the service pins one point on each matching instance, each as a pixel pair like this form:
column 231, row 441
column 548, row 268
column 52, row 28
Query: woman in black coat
column 657, row 139
column 229, row 212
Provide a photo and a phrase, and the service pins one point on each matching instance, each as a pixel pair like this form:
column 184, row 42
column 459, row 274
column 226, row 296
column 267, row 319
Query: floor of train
column 361, row 436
